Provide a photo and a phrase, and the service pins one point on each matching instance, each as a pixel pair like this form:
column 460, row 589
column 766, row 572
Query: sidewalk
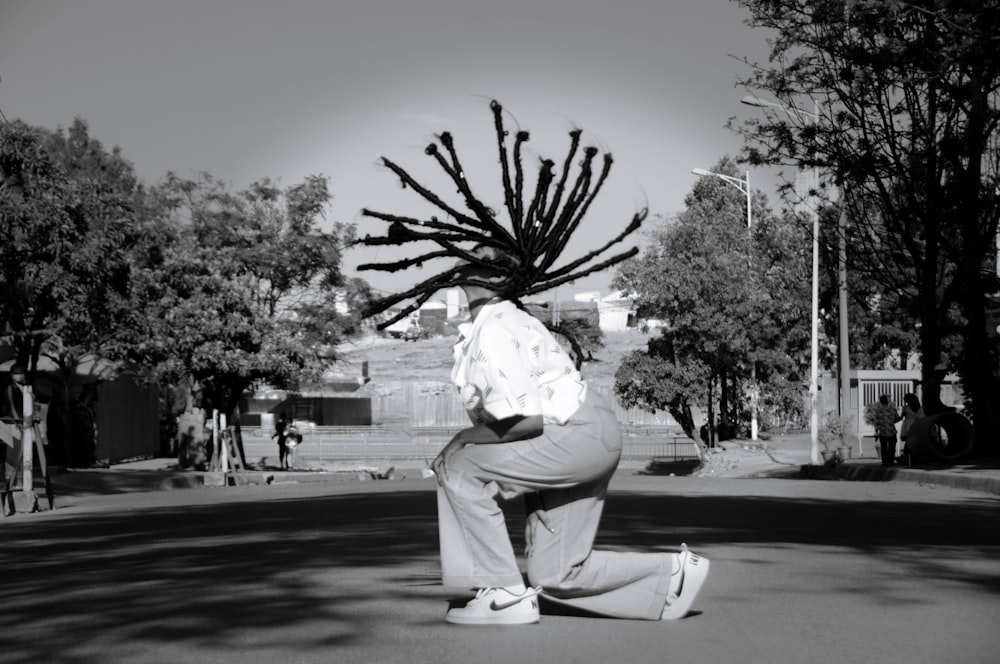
column 779, row 457
column 165, row 474
column 788, row 456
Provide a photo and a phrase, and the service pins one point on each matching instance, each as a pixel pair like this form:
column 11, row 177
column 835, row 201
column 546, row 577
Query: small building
column 431, row 317
column 616, row 312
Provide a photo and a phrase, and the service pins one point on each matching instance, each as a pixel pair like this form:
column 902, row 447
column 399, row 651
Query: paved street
column 803, row 571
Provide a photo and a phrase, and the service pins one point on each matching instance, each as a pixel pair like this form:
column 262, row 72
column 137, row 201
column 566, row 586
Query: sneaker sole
column 695, row 572
column 491, row 620
column 505, row 616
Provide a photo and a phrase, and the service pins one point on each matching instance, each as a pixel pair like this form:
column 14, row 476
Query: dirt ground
column 773, row 457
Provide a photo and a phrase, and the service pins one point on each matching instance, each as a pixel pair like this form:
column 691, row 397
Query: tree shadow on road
column 209, row 575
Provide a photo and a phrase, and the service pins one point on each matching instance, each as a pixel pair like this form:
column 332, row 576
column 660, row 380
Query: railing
column 437, row 405
column 674, row 448
column 423, row 443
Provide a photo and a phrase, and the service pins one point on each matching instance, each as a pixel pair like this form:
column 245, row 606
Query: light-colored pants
column 563, row 475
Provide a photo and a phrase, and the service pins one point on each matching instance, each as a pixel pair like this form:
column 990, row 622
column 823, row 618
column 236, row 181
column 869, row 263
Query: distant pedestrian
column 911, row 413
column 884, row 417
column 293, row 437
column 281, row 434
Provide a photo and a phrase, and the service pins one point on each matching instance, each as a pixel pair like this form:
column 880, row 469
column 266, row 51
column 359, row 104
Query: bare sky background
column 246, row 89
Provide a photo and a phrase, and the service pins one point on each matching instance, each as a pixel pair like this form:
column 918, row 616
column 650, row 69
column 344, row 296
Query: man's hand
column 440, row 463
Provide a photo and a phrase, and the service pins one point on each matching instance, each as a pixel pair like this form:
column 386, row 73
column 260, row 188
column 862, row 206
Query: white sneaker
column 496, row 606
column 685, row 584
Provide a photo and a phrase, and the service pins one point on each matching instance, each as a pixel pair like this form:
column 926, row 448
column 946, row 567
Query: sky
column 247, row 89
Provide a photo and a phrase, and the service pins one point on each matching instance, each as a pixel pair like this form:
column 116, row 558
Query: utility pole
column 27, row 438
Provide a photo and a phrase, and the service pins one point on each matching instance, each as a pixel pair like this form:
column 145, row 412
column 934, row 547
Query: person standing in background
column 885, row 418
column 911, row 413
column 281, row 434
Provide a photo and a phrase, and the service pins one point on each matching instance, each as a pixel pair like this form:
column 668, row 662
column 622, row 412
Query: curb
column 166, row 480
column 957, row 478
column 83, row 483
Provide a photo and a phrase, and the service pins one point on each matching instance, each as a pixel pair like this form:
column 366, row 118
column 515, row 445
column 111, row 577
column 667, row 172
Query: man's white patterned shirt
column 507, row 363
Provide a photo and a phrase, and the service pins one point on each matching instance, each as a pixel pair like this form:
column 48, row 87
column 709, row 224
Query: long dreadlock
column 523, row 252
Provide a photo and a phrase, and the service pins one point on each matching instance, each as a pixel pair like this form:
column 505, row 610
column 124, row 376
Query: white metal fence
column 419, row 405
column 380, row 443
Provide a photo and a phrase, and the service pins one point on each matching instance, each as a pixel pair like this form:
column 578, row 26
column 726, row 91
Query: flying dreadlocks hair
column 519, row 257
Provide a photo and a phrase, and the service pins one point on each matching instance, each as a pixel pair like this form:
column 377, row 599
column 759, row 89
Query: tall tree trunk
column 68, row 424
column 930, row 374
column 978, row 375
column 725, row 430
column 979, row 372
column 711, row 413
column 230, row 405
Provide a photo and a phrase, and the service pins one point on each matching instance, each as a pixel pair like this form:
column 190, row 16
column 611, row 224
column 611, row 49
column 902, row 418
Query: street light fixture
column 743, row 186
column 753, row 100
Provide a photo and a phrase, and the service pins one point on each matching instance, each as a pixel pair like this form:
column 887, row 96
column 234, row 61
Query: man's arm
column 507, row 430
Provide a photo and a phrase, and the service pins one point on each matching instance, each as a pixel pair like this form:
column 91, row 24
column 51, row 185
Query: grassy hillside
column 429, row 360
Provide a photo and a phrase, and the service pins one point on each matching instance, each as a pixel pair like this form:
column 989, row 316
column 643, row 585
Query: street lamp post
column 753, row 100
column 842, row 331
column 744, row 186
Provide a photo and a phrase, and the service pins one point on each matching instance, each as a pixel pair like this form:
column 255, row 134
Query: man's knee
column 547, row 572
column 542, row 576
column 460, row 477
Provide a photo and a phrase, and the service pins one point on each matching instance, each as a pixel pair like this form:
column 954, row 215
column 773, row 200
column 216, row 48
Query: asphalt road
column 803, row 571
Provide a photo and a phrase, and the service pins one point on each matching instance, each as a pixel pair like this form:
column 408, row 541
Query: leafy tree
column 583, row 336
column 897, row 102
column 242, row 292
column 323, row 321
column 66, row 234
column 733, row 298
column 658, row 378
column 187, row 278
column 580, row 330
column 65, row 271
column 880, row 323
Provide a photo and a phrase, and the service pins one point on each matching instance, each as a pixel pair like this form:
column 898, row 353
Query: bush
column 833, row 433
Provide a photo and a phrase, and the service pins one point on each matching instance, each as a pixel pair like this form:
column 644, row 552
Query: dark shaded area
column 196, row 573
column 975, row 477
column 680, row 468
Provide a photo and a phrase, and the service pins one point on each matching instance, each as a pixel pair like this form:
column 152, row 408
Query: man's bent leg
column 476, row 551
column 475, row 545
column 561, row 560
